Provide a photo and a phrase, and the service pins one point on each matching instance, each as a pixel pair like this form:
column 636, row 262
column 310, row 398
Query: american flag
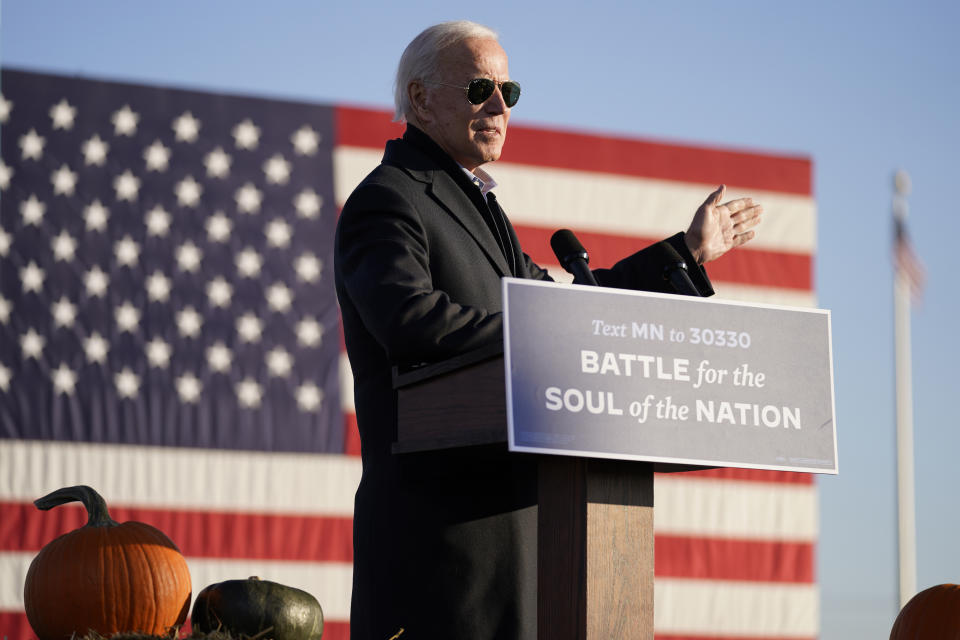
column 169, row 335
column 907, row 266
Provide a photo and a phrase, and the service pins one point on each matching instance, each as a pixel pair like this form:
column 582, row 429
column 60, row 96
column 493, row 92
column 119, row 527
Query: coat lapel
column 445, row 191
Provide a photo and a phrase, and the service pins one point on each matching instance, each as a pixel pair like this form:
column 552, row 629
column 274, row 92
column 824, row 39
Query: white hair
column 422, row 57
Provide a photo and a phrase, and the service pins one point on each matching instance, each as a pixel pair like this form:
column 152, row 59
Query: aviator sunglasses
column 480, row 89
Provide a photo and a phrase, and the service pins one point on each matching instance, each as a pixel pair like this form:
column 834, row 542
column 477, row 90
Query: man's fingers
column 739, row 204
column 748, row 217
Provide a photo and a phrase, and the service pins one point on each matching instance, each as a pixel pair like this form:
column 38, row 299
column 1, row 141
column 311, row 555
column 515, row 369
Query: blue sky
column 862, row 88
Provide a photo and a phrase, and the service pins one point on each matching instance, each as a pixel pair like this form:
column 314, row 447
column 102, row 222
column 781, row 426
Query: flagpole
column 907, row 542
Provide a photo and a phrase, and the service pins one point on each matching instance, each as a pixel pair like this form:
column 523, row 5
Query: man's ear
column 417, row 93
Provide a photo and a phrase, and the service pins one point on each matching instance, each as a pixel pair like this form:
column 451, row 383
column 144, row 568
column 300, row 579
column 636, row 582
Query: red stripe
column 726, row 559
column 755, row 267
column 750, row 475
column 351, row 440
column 670, row 636
column 14, row 626
column 575, row 151
column 198, row 534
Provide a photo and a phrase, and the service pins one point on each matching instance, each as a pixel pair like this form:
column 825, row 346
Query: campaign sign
column 632, row 375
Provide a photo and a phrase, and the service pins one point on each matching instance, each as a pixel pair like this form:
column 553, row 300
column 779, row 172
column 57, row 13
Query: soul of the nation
column 747, row 414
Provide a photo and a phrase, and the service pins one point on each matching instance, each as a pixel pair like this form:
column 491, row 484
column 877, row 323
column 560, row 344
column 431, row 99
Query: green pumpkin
column 250, row 607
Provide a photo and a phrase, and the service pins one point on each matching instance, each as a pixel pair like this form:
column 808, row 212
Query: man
column 445, row 543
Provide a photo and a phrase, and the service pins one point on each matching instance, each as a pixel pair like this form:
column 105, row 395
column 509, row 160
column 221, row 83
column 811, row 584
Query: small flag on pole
column 906, row 263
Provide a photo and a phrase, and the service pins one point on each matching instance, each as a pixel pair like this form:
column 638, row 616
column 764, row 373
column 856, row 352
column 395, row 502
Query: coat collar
column 424, row 161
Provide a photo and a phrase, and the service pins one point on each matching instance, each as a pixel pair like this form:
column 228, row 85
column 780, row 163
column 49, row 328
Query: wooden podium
column 595, row 526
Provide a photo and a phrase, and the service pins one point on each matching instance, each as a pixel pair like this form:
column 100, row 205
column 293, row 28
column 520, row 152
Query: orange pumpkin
column 932, row 614
column 106, row 577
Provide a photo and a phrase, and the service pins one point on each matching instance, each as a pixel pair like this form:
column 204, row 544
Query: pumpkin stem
column 93, row 502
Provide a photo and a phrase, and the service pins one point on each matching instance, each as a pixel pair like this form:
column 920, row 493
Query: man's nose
column 495, row 103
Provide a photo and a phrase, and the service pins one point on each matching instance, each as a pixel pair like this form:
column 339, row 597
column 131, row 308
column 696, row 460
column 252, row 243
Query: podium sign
column 643, row 376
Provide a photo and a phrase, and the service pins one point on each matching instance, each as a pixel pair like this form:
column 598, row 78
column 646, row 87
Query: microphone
column 572, row 256
column 676, row 271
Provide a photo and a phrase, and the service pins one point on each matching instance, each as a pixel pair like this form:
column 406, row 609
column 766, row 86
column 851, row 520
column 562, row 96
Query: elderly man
column 445, row 543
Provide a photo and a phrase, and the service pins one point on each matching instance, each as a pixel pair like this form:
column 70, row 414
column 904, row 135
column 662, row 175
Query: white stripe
column 766, row 295
column 729, row 291
column 329, row 582
column 162, row 477
column 346, row 385
column 735, row 509
column 717, row 608
column 612, row 204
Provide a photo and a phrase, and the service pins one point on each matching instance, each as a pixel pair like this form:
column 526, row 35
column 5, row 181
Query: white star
column 219, row 357
column 246, row 134
column 127, row 383
column 158, row 353
column 31, row 146
column 32, row 277
column 95, row 151
column 186, row 127
column 158, row 221
column 6, row 107
column 4, row 310
column 126, row 185
column 64, row 247
column 64, row 379
column 309, row 332
column 249, row 327
column 124, row 121
column 32, row 210
column 127, row 252
column 218, row 227
column 309, row 397
column 4, row 242
column 308, row 267
column 62, row 115
column 96, row 216
column 279, row 297
column 278, row 233
column 308, row 203
column 5, row 373
column 219, row 292
column 279, row 362
column 64, row 312
column 64, row 181
column 188, row 192
column 249, row 393
column 188, row 257
column 158, row 287
column 95, row 280
column 6, row 173
column 96, row 348
column 31, row 344
column 305, row 140
column 189, row 387
column 127, row 316
column 248, row 198
column 277, row 170
column 249, row 263
column 217, row 163
column 157, row 156
column 189, row 322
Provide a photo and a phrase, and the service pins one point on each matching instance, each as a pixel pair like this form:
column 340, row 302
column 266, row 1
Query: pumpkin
column 255, row 607
column 105, row 577
column 932, row 614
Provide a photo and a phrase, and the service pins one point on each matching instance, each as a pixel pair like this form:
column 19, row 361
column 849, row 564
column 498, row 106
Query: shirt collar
column 480, row 178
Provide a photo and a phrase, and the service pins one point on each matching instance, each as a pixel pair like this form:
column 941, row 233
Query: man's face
column 471, row 134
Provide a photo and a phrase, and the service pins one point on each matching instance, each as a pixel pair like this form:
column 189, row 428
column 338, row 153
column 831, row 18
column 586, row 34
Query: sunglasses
column 480, row 89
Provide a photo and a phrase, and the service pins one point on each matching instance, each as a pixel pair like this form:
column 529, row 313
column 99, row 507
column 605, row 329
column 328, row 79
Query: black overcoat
column 444, row 543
